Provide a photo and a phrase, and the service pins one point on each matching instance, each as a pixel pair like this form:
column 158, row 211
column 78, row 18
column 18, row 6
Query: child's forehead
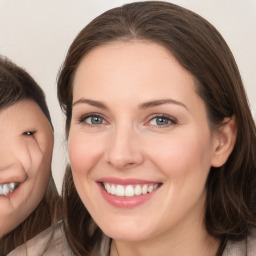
column 21, row 114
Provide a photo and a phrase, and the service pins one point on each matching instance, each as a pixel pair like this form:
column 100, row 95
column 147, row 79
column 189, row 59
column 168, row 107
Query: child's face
column 26, row 143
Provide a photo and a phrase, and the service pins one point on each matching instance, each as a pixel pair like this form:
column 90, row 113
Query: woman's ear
column 224, row 141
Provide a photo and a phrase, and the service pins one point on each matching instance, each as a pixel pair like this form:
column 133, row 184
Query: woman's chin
column 130, row 235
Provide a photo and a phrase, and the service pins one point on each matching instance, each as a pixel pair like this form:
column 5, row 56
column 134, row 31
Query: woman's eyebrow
column 145, row 105
column 155, row 103
column 94, row 103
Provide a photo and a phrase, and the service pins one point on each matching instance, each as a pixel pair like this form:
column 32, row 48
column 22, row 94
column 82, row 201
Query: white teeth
column 137, row 191
column 107, row 187
column 129, row 190
column 144, row 189
column 120, row 190
column 12, row 186
column 113, row 190
column 150, row 188
column 7, row 188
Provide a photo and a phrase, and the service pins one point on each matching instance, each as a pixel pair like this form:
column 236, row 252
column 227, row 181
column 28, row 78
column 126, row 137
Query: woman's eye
column 93, row 120
column 161, row 121
column 28, row 133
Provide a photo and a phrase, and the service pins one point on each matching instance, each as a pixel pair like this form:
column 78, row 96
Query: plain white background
column 36, row 34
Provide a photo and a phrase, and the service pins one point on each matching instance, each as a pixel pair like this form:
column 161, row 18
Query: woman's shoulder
column 50, row 242
column 241, row 248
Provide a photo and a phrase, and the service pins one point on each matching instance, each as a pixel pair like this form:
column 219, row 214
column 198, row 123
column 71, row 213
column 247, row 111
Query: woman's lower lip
column 125, row 202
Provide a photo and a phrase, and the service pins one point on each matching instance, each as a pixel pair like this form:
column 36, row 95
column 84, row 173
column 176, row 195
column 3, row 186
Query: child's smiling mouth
column 7, row 188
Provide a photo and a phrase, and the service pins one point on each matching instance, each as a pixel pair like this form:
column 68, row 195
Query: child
column 30, row 205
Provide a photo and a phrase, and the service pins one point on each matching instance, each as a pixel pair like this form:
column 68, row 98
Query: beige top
column 54, row 236
column 58, row 245
column 245, row 247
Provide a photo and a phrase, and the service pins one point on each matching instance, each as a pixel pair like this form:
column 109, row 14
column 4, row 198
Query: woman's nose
column 124, row 149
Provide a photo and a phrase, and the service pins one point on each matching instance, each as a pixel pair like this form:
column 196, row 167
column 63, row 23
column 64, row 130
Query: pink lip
column 125, row 202
column 13, row 179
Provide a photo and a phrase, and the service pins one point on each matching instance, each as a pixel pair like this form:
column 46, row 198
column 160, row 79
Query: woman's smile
column 127, row 193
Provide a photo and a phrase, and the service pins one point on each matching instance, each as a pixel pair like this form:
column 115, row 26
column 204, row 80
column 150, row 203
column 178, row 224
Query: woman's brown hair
column 200, row 49
column 17, row 85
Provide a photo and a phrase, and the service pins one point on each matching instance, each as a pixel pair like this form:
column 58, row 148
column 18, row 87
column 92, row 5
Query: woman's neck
column 198, row 243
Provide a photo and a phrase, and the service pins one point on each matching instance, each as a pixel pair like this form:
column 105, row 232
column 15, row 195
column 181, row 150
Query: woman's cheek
column 83, row 153
column 76, row 153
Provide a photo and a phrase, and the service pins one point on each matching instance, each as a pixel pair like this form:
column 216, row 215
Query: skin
column 26, row 151
column 115, row 83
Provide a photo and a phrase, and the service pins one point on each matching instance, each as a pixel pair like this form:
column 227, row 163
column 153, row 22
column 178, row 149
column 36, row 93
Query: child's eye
column 92, row 120
column 162, row 121
column 28, row 133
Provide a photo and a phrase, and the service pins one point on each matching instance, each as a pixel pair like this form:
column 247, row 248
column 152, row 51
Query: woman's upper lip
column 127, row 181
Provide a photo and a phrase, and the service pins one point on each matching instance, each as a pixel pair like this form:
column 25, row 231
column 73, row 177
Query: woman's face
column 139, row 144
column 25, row 151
